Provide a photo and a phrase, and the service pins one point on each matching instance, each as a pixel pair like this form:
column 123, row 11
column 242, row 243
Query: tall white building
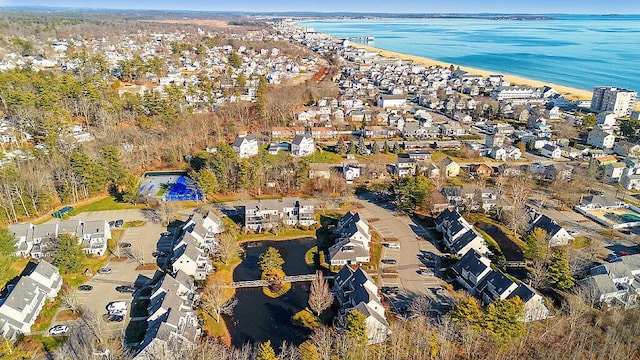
column 619, row 101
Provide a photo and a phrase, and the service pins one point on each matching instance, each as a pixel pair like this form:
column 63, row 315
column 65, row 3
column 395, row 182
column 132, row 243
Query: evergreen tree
column 411, row 192
column 537, row 245
column 503, row 319
column 271, row 260
column 352, row 148
column 559, row 274
column 385, row 148
column 235, row 59
column 468, row 311
column 396, row 148
column 265, row 352
column 361, row 148
column 341, row 148
column 7, row 242
column 308, row 351
column 68, row 255
column 375, row 148
column 356, row 331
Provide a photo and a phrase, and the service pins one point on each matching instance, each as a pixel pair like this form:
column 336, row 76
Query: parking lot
column 143, row 242
column 413, row 241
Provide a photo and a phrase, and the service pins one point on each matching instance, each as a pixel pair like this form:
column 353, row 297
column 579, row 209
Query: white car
column 118, row 312
column 573, row 232
column 425, row 272
column 392, row 245
column 117, row 306
column 59, row 330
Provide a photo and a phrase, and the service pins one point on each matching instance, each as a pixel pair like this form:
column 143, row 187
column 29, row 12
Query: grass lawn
column 45, row 317
column 11, row 269
column 108, row 203
column 286, row 234
column 49, row 343
column 135, row 331
column 325, row 157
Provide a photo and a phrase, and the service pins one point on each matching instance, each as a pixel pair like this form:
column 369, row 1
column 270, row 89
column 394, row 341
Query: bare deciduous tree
column 214, row 300
column 320, row 297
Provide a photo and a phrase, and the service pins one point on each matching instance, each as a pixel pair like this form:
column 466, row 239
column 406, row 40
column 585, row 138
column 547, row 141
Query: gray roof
column 46, row 269
column 240, row 139
column 297, row 140
column 471, row 262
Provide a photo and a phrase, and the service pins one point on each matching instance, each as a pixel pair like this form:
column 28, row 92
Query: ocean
column 581, row 51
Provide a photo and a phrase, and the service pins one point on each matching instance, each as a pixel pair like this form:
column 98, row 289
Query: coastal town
column 184, row 189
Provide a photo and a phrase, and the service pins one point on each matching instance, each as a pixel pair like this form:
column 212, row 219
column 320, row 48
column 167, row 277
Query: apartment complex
column 264, row 215
column 619, row 101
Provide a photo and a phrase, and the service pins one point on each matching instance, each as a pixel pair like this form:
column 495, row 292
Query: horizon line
column 305, row 11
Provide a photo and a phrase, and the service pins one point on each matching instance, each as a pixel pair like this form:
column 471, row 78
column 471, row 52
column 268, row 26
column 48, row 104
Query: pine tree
column 503, row 319
column 467, row 310
column 265, row 352
column 396, row 148
column 361, row 148
column 271, row 260
column 375, row 148
column 352, row 148
column 341, row 148
column 559, row 274
column 385, row 148
column 69, row 255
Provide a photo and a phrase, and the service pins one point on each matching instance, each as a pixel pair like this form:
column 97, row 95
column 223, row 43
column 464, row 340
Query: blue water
column 575, row 50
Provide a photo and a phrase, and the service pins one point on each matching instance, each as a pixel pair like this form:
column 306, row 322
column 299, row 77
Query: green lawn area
column 108, row 203
column 285, row 234
column 11, row 268
column 325, row 157
column 49, row 343
column 45, row 317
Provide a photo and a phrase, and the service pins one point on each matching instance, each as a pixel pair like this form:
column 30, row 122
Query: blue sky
column 406, row 6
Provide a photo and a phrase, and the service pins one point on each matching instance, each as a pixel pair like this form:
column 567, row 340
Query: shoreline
column 570, row 93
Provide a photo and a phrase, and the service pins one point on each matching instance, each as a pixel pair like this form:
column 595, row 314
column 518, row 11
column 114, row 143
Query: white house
column 458, row 235
column 245, row 146
column 551, row 151
column 302, row 145
column 351, row 171
column 352, row 243
column 191, row 259
column 391, row 101
column 20, row 309
column 556, row 234
column 600, row 138
column 355, row 290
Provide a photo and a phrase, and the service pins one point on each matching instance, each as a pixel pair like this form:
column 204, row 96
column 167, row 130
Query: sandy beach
column 569, row 92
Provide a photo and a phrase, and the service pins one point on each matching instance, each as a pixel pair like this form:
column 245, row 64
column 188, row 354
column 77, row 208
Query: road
column 412, row 238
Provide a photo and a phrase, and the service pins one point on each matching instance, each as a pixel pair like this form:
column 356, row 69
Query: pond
column 258, row 318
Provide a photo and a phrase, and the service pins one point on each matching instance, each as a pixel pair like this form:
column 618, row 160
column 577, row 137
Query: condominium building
column 619, row 101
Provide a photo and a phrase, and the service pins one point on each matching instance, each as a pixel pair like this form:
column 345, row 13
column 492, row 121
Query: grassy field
column 11, row 269
column 325, row 157
column 286, row 234
column 108, row 203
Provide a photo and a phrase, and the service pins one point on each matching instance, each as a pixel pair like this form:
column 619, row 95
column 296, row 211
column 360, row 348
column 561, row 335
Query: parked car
column 104, row 270
column 125, row 245
column 85, row 287
column 574, row 232
column 390, row 290
column 389, row 261
column 158, row 254
column 392, row 245
column 119, row 223
column 425, row 272
column 112, row 224
column 166, row 233
column 113, row 317
column 118, row 312
column 117, row 305
column 613, row 258
column 125, row 289
column 59, row 330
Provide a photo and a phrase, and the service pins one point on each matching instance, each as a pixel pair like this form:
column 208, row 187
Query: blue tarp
column 183, row 190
